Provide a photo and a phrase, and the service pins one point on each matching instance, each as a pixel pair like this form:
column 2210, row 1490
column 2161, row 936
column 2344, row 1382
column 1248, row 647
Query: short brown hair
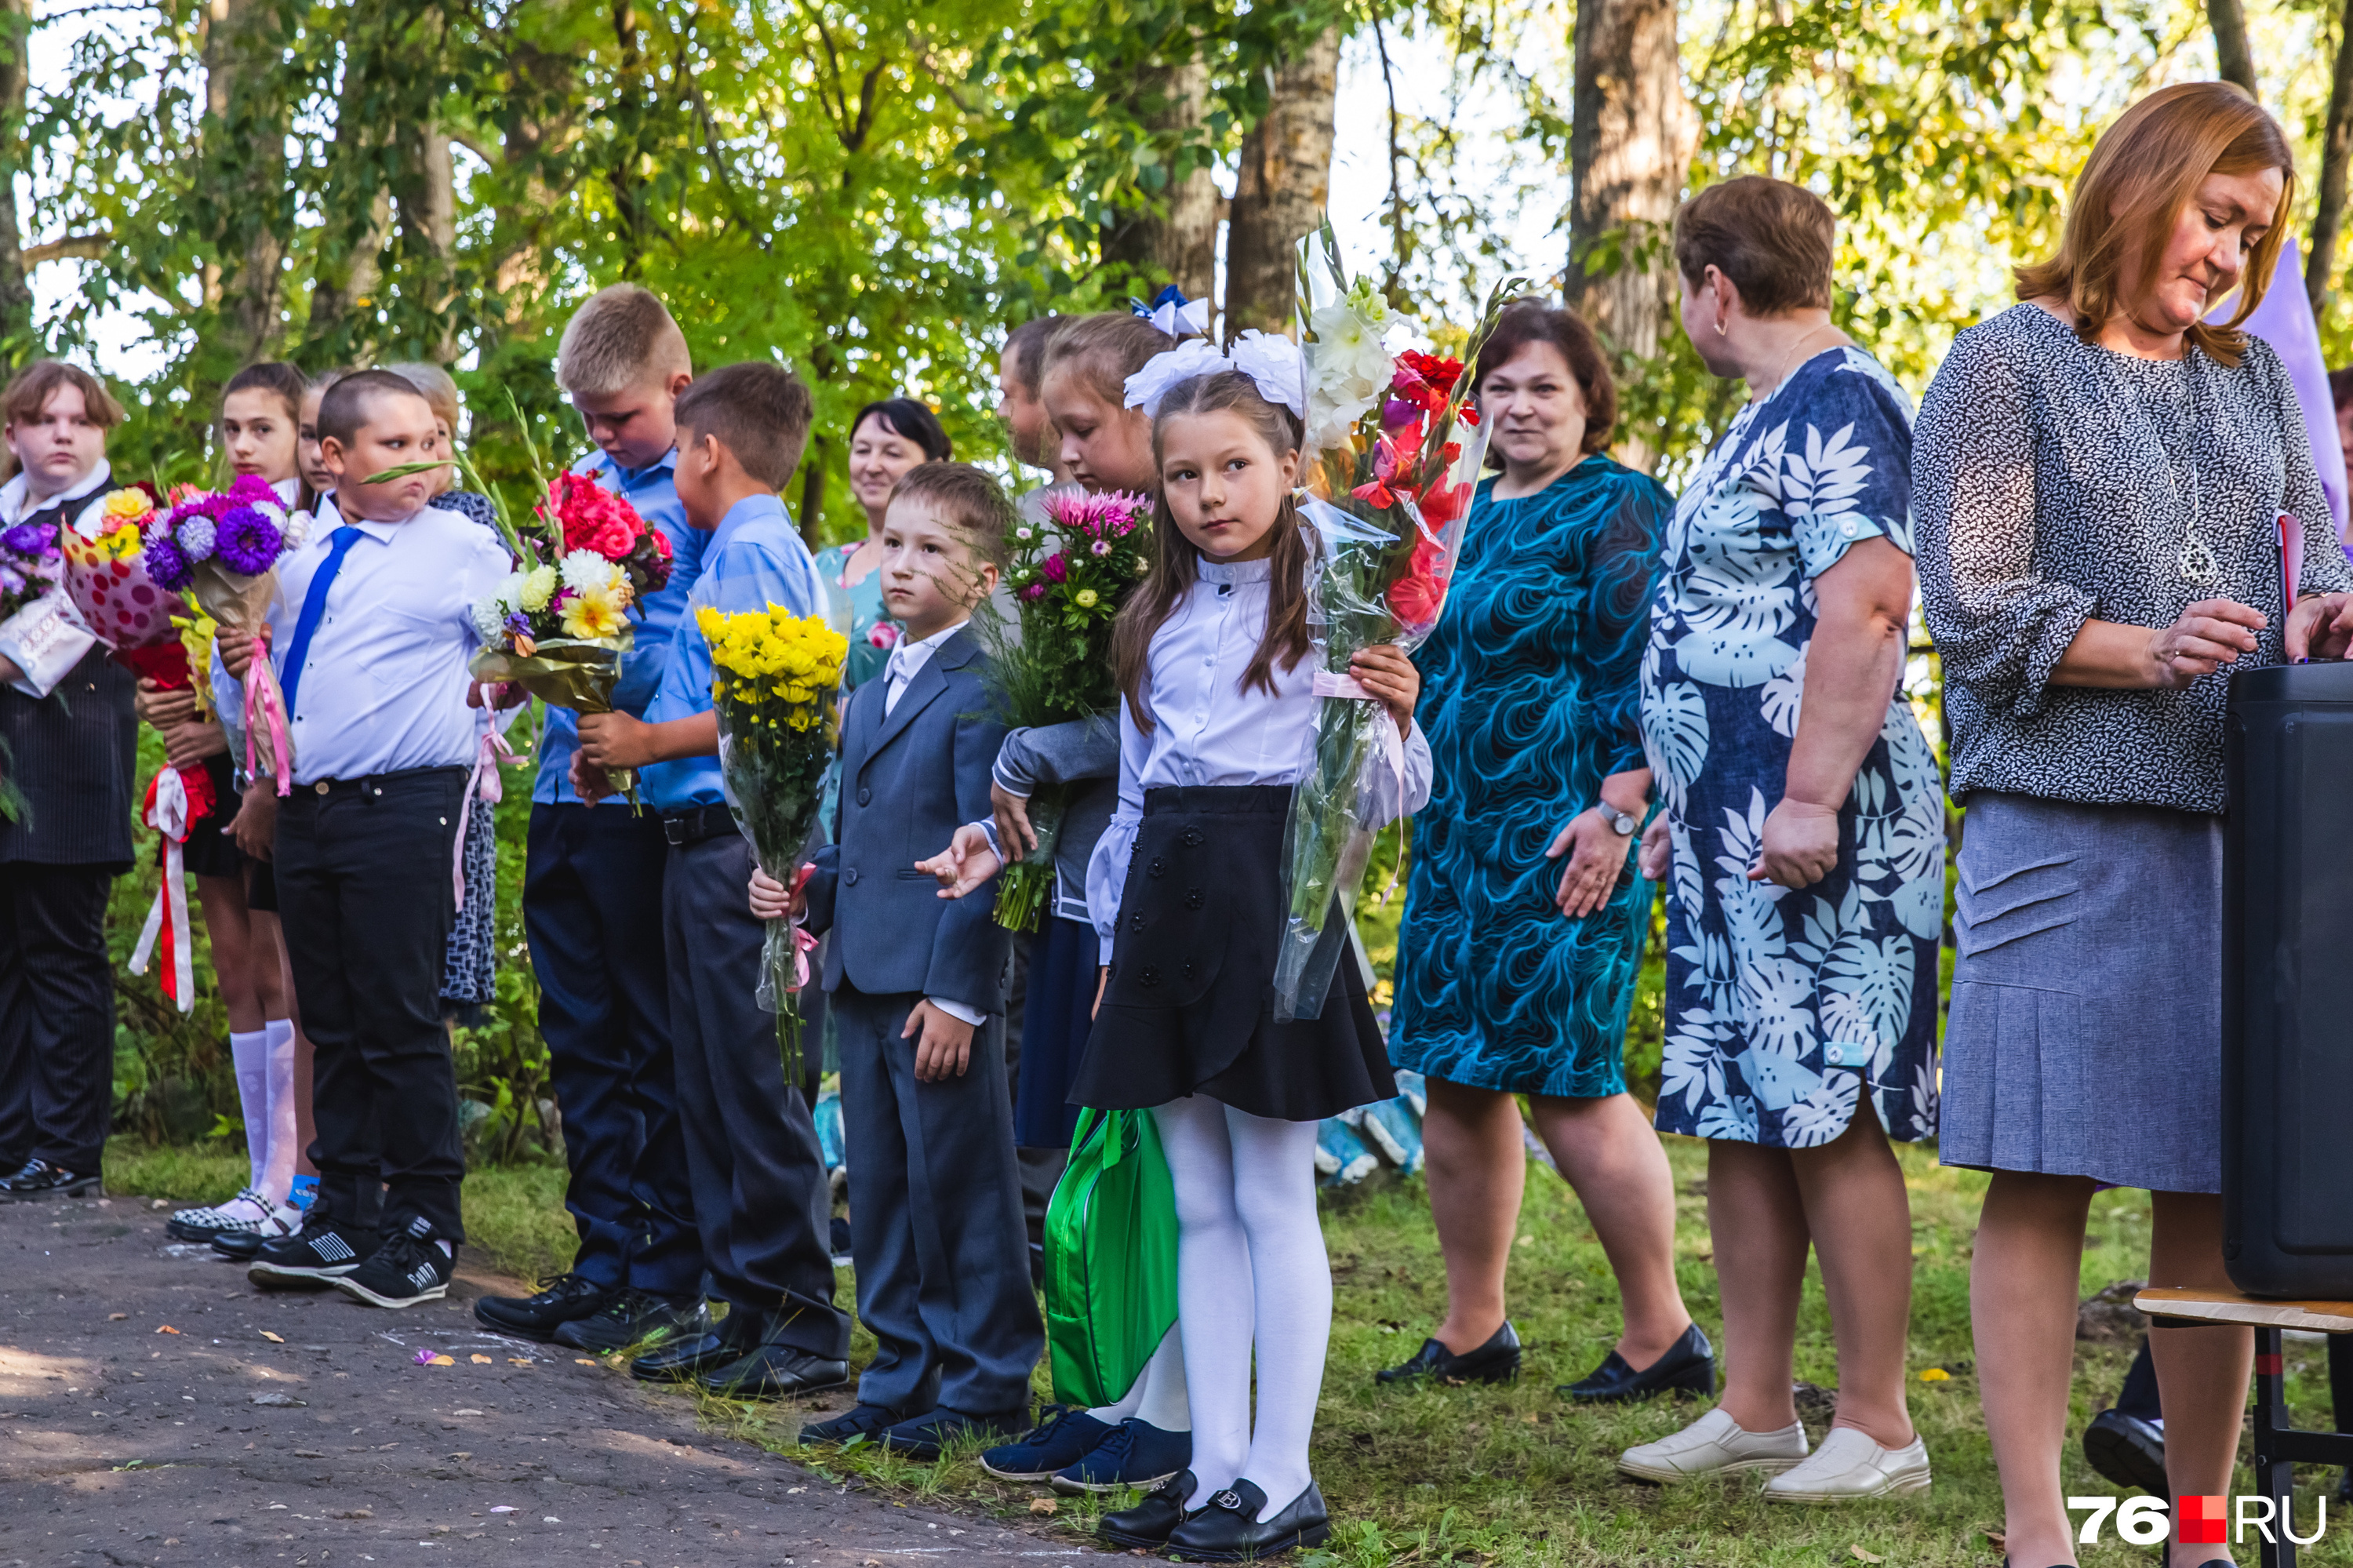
column 1775, row 240
column 30, row 390
column 759, row 412
column 975, row 503
column 345, row 408
column 620, row 336
column 2142, row 171
column 1025, row 351
column 1103, row 351
column 1523, row 321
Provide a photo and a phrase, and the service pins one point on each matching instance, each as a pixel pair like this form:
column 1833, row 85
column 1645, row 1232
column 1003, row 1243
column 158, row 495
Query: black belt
column 694, row 825
column 373, row 785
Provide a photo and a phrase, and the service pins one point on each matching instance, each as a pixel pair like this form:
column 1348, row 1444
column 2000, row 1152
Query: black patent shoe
column 39, row 1179
column 1689, row 1368
column 1231, row 1530
column 697, row 1355
column 2127, row 1450
column 1149, row 1522
column 1497, row 1361
column 776, row 1372
column 238, row 1246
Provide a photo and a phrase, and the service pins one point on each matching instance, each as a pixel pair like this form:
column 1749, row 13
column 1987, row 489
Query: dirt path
column 283, row 1431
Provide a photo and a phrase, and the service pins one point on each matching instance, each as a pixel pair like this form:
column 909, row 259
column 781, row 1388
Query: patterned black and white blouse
column 2054, row 482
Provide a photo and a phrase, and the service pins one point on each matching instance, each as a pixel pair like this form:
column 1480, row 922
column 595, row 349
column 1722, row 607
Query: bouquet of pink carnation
column 1073, row 564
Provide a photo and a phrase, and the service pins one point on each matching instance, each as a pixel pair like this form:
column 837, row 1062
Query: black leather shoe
column 866, row 1421
column 39, row 1179
column 1497, row 1361
column 634, row 1317
column 1148, row 1523
column 2127, row 1450
column 922, row 1436
column 1231, row 1530
column 560, row 1299
column 691, row 1356
column 776, row 1372
column 238, row 1246
column 1688, row 1367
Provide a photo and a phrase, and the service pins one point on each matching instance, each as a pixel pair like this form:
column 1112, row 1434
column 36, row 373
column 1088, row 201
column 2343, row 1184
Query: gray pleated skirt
column 2085, row 1035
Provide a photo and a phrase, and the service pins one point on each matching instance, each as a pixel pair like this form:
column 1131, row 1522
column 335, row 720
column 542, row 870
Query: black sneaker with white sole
column 318, row 1254
column 409, row 1267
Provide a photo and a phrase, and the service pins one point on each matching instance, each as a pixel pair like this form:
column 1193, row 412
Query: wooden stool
column 2278, row 1446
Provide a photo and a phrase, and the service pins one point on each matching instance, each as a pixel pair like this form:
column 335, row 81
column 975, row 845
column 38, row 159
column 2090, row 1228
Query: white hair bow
column 1272, row 363
column 1178, row 316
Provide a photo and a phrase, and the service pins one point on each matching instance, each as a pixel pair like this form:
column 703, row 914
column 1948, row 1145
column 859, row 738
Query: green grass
column 1516, row 1476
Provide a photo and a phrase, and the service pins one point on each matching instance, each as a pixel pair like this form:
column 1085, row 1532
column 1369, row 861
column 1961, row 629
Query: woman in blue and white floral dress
column 1803, row 856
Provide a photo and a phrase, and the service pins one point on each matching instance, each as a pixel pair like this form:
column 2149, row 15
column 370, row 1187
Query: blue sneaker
column 1138, row 1454
column 1065, row 1436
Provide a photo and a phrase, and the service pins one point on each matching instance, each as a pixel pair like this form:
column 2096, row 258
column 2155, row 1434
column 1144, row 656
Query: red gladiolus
column 1414, row 597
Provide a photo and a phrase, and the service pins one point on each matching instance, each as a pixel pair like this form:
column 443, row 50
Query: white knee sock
column 277, row 1175
column 1274, row 1191
column 1157, row 1396
column 249, row 1054
column 1214, row 1299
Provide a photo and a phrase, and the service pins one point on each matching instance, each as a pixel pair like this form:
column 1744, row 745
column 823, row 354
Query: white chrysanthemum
column 297, row 530
column 585, row 571
column 489, row 619
column 197, row 538
column 537, row 586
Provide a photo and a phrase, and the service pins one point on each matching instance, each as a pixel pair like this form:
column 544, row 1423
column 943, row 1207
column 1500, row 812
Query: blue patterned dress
column 1782, row 1006
column 1528, row 698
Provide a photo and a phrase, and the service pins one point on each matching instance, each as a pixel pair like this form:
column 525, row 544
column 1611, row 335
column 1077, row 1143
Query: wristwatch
column 1620, row 822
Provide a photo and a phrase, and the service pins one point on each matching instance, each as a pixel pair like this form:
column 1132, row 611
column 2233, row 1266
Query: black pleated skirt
column 209, row 850
column 1189, row 1009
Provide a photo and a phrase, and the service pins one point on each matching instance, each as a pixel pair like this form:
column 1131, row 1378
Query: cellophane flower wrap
column 1075, row 556
column 775, row 687
column 1394, row 453
column 559, row 626
column 221, row 547
column 30, row 565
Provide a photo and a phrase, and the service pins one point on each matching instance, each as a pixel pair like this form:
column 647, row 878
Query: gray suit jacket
column 908, row 782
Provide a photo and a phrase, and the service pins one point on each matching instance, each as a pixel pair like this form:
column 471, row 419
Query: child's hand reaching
column 942, row 1044
column 965, row 864
column 1385, row 672
column 771, row 900
column 588, row 780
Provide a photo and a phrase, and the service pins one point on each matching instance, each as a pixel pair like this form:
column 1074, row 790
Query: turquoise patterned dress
column 1528, row 697
column 1782, row 1007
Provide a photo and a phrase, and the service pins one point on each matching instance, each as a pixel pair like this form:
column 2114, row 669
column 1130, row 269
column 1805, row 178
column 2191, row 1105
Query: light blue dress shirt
column 754, row 559
column 653, row 492
column 384, row 685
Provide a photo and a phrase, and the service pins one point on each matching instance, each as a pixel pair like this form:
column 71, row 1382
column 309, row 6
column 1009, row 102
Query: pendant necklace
column 2196, row 563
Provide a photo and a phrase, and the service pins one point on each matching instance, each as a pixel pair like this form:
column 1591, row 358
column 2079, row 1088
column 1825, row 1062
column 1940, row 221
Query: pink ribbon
column 803, row 943
column 1392, row 745
column 484, row 783
column 261, row 697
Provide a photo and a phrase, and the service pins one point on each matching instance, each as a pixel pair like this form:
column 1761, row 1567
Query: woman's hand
column 2211, row 633
column 1013, row 829
column 255, row 826
column 185, row 745
column 164, row 706
column 1390, row 679
column 2319, row 626
column 1597, row 855
column 965, row 864
column 1656, row 850
column 1799, row 845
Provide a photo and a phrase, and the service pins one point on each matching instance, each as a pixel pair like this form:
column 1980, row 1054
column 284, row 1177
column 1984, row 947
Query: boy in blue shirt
column 592, row 898
column 760, row 1193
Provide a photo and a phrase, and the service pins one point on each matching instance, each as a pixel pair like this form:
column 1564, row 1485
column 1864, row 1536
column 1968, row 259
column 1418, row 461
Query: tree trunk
column 1281, row 188
column 2336, row 150
column 245, row 141
column 1172, row 236
column 428, row 216
column 1629, row 146
column 16, row 344
column 2233, row 60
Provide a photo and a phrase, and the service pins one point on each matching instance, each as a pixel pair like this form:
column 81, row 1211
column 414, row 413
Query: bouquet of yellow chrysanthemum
column 775, row 679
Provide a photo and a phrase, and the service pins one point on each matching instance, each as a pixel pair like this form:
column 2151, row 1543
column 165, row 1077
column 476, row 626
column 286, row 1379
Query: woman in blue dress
column 1803, row 841
column 1515, row 972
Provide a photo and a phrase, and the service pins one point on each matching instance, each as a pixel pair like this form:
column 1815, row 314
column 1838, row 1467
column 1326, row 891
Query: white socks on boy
column 276, row 1177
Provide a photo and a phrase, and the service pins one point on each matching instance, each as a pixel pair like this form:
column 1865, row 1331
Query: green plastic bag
column 1111, row 1258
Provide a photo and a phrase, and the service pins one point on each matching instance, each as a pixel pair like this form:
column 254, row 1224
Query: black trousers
column 592, row 905
column 57, row 1015
column 363, row 893
column 760, row 1195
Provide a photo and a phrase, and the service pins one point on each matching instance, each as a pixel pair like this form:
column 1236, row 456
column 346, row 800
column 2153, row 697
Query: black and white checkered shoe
column 323, row 1251
column 246, row 1214
column 409, row 1267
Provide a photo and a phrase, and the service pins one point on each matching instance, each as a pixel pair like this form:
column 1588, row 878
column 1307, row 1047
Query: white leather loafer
column 1850, row 1465
column 1715, row 1445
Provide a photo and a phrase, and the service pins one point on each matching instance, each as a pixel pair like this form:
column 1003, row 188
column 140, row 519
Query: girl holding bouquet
column 1186, row 892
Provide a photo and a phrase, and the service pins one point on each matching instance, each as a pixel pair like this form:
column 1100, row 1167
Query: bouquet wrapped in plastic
column 775, row 689
column 107, row 576
column 1394, row 452
column 1072, row 567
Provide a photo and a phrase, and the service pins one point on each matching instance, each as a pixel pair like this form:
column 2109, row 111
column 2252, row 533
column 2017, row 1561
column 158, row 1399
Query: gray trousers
column 752, row 1157
column 935, row 1219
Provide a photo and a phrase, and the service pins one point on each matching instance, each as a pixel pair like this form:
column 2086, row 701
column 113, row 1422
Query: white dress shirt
column 48, row 638
column 1208, row 730
column 907, row 661
column 383, row 685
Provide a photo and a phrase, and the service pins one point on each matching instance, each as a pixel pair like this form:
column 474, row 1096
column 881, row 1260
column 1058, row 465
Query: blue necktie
column 314, row 606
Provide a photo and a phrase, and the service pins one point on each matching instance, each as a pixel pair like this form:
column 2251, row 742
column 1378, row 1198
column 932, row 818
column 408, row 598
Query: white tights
column 1251, row 1270
column 1156, row 1398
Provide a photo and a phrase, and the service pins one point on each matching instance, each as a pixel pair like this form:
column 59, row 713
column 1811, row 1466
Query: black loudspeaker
column 2288, row 982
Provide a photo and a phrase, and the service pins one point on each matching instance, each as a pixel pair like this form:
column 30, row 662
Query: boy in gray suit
column 918, row 993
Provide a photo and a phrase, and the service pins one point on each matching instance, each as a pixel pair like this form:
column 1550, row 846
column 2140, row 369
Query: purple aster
column 166, row 566
column 518, row 624
column 249, row 542
column 196, row 537
column 31, row 539
column 1054, row 567
column 1100, row 546
column 1034, row 592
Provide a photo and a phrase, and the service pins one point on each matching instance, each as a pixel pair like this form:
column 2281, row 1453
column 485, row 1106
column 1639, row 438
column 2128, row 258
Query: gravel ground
column 156, row 1409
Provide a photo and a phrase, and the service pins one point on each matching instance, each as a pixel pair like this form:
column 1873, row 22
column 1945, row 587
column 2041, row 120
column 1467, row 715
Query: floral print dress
column 1783, row 1007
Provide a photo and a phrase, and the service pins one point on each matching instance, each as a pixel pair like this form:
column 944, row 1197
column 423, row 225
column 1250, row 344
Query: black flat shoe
column 2126, row 1450
column 696, row 1355
column 39, row 1179
column 1497, row 1361
column 776, row 1372
column 867, row 1420
column 1229, row 1529
column 238, row 1246
column 1148, row 1523
column 1688, row 1367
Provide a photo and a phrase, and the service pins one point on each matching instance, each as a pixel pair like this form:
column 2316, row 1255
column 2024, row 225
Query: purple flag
column 2284, row 320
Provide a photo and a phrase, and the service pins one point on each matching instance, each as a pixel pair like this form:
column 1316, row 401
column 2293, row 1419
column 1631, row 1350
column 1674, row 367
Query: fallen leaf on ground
column 1044, row 1505
column 1859, row 1555
column 116, row 1316
column 442, row 1361
column 519, row 1361
column 582, row 1361
column 273, row 1339
column 480, row 1360
column 167, row 1328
